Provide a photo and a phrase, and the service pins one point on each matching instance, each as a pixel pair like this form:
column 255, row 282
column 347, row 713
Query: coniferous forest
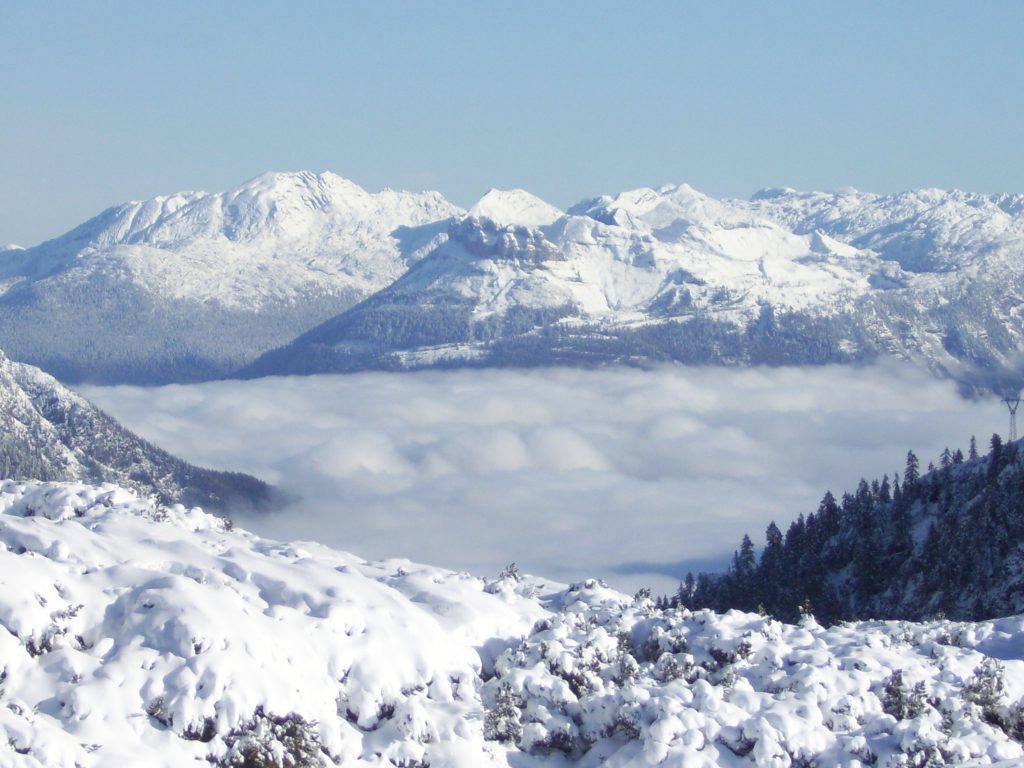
column 944, row 542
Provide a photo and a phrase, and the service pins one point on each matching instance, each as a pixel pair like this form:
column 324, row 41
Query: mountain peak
column 771, row 193
column 515, row 207
column 277, row 184
column 659, row 208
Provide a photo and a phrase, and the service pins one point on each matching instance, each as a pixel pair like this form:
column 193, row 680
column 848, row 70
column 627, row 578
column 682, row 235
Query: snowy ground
column 145, row 636
column 627, row 475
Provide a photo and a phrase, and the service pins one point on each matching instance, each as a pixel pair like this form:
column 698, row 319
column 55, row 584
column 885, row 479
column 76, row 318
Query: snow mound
column 145, row 635
column 138, row 634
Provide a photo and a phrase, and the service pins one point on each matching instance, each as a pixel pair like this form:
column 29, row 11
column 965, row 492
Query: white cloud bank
column 617, row 473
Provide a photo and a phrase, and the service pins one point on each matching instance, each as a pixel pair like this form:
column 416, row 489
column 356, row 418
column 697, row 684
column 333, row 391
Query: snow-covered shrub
column 986, row 690
column 511, row 581
column 1014, row 723
column 270, row 741
column 157, row 709
column 203, row 729
column 901, row 702
column 502, row 721
column 669, row 668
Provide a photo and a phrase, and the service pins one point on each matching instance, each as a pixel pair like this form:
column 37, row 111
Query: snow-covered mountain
column 147, row 635
column 331, row 278
column 193, row 285
column 926, row 230
column 47, row 432
column 671, row 273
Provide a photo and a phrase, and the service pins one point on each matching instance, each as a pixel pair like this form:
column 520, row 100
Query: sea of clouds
column 633, row 476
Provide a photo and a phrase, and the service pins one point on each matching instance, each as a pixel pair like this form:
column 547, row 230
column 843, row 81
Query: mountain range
column 304, row 273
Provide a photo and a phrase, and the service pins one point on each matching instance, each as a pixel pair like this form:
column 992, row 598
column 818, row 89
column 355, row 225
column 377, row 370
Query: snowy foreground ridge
column 140, row 635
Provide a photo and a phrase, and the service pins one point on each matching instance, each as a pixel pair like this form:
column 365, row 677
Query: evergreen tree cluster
column 949, row 541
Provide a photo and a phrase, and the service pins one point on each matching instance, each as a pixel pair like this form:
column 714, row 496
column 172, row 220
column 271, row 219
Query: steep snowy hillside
column 48, row 432
column 673, row 274
column 192, row 285
column 146, row 635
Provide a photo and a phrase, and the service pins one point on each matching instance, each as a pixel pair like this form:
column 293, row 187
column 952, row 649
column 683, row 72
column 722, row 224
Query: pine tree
column 770, row 571
column 746, row 557
column 946, row 460
column 772, row 545
column 972, row 451
column 912, row 472
column 996, row 456
column 894, row 695
column 885, row 490
column 687, row 588
column 828, row 514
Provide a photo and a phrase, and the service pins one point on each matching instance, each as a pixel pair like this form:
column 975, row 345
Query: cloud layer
column 628, row 475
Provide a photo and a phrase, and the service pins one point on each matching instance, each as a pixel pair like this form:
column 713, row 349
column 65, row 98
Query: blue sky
column 110, row 101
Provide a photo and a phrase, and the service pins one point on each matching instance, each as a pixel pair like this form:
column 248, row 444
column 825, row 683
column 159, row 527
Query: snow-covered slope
column 48, row 432
column 147, row 635
column 674, row 274
column 200, row 283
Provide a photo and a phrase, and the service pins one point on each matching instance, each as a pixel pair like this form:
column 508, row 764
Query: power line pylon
column 1012, row 403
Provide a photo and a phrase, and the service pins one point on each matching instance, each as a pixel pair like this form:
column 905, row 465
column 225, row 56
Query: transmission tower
column 1012, row 403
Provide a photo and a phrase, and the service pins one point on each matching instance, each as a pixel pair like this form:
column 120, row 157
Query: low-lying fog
column 628, row 475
